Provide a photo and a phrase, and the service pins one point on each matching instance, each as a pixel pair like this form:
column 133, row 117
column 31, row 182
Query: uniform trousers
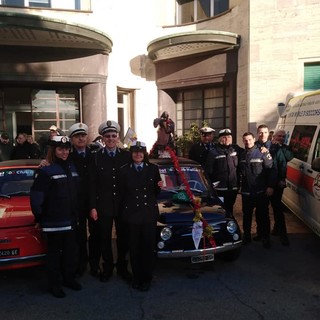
column 61, row 257
column 259, row 202
column 100, row 243
column 279, row 219
column 82, row 242
column 142, row 243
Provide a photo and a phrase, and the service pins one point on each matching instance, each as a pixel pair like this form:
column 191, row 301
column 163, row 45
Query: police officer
column 54, row 198
column 105, row 203
column 281, row 153
column 199, row 150
column 82, row 157
column 257, row 185
column 140, row 183
column 222, row 166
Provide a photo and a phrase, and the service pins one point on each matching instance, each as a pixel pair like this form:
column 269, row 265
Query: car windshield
column 172, row 181
column 16, row 181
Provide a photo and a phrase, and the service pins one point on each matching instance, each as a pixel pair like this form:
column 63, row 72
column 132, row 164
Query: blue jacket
column 256, row 171
column 222, row 165
column 54, row 196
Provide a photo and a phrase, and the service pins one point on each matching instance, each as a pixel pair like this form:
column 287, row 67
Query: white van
column 300, row 118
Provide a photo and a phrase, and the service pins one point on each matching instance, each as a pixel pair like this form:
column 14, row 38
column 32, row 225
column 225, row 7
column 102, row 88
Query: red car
column 21, row 241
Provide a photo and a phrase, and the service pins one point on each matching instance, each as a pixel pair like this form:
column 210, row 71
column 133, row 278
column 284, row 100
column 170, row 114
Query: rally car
column 21, row 241
column 180, row 235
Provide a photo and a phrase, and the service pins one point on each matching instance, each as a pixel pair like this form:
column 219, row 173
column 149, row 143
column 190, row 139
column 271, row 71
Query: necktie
column 111, row 154
column 139, row 168
column 82, row 154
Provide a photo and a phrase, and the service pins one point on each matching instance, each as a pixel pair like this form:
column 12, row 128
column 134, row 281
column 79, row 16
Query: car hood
column 15, row 212
column 171, row 212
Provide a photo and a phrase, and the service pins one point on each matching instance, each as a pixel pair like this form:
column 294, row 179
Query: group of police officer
column 258, row 170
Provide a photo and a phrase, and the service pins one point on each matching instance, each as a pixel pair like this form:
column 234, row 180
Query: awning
column 192, row 43
column 18, row 29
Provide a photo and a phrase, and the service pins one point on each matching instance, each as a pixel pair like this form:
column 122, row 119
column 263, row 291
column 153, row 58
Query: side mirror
column 315, row 165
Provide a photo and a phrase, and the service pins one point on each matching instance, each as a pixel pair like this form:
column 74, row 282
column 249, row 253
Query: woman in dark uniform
column 140, row 183
column 54, row 198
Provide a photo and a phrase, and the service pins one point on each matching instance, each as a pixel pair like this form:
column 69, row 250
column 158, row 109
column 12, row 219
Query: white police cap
column 138, row 146
column 78, row 128
column 60, row 141
column 206, row 130
column 107, row 126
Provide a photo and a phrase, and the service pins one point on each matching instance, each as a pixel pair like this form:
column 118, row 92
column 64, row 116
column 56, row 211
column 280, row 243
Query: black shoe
column 246, row 240
column 124, row 274
column 145, row 286
column 57, row 292
column 73, row 285
column 284, row 240
column 266, row 243
column 136, row 286
column 95, row 272
column 105, row 276
column 257, row 238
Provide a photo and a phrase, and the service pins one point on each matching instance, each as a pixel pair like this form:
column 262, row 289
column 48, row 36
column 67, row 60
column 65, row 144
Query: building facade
column 227, row 62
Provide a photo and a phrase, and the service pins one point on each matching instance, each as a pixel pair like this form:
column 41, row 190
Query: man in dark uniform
column 199, row 150
column 82, row 157
column 104, row 203
column 257, row 185
column 222, row 166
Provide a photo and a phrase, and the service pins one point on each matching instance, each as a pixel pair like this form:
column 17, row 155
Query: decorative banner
column 197, row 231
column 129, row 138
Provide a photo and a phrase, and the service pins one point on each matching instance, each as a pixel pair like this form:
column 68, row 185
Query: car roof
column 20, row 163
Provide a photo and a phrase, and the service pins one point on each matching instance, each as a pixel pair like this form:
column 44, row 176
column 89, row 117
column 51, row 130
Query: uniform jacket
column 281, row 154
column 256, row 171
column 139, row 192
column 104, row 181
column 83, row 165
column 198, row 152
column 222, row 165
column 54, row 196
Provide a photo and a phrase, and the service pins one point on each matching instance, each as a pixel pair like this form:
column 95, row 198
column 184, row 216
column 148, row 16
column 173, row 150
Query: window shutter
column 312, row 76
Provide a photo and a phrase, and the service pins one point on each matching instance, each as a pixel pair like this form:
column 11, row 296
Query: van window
column 317, row 148
column 301, row 140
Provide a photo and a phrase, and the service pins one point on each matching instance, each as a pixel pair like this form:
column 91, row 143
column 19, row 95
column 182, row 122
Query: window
column 198, row 105
column 194, row 10
column 84, row 5
column 312, row 76
column 58, row 107
column 301, row 140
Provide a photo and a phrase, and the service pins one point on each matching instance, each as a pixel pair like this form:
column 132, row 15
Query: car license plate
column 9, row 252
column 202, row 258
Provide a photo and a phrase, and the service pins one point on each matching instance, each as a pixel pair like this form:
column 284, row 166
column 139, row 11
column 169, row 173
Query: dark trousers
column 82, row 241
column 229, row 198
column 260, row 203
column 61, row 257
column 279, row 219
column 100, row 243
column 142, row 243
